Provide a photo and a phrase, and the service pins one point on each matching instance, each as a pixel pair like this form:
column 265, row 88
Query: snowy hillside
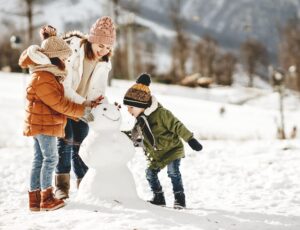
column 240, row 19
column 244, row 179
column 228, row 21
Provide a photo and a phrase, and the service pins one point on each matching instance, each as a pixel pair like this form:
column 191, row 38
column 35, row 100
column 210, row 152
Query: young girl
column 46, row 112
column 87, row 78
column 161, row 132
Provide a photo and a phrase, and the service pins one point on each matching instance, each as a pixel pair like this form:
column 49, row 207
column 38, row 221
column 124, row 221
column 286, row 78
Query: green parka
column 167, row 131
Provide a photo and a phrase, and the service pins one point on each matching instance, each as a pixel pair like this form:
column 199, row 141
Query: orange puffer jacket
column 47, row 108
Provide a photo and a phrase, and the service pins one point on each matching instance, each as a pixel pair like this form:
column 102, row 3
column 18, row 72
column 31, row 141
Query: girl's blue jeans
column 44, row 161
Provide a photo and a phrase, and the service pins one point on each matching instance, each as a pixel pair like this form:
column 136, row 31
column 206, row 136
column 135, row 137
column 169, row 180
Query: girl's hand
column 87, row 103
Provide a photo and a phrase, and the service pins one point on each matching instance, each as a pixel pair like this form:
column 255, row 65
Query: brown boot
column 48, row 202
column 78, row 182
column 62, row 183
column 34, row 200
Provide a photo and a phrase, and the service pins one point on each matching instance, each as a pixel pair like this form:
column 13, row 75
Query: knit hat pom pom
column 144, row 79
column 47, row 31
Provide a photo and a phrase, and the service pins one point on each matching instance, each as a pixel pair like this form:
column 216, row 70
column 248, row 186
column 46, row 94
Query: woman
column 88, row 69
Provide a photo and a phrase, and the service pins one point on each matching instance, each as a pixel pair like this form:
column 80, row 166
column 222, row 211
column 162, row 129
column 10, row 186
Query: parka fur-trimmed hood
column 32, row 56
column 74, row 33
column 35, row 60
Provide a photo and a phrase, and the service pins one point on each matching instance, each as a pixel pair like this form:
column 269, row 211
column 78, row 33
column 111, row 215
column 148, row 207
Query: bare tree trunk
column 130, row 52
column 289, row 51
column 29, row 15
column 115, row 11
column 180, row 49
column 253, row 53
column 250, row 84
column 281, row 113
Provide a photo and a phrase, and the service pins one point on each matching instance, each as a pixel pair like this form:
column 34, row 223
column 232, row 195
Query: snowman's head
column 107, row 117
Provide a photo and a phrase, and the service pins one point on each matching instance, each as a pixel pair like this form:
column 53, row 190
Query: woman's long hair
column 88, row 51
column 59, row 63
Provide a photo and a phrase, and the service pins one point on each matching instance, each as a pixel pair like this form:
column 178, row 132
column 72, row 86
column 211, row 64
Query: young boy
column 161, row 132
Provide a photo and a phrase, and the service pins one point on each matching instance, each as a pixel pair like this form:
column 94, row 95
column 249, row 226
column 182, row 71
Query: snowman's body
column 107, row 152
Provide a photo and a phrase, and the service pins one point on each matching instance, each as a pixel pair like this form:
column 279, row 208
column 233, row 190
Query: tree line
column 202, row 59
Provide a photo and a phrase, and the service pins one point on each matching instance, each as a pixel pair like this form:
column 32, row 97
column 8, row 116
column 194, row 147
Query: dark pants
column 173, row 173
column 68, row 149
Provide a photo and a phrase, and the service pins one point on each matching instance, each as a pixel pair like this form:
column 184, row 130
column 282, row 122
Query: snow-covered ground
column 243, row 179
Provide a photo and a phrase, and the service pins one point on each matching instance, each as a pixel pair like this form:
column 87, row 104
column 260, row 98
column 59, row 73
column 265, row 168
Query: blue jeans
column 44, row 162
column 68, row 149
column 173, row 173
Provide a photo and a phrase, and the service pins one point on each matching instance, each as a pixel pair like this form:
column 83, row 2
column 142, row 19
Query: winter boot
column 78, row 181
column 34, row 200
column 62, row 183
column 49, row 202
column 158, row 199
column 179, row 200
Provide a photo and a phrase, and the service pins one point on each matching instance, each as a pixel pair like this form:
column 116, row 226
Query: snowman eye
column 104, row 109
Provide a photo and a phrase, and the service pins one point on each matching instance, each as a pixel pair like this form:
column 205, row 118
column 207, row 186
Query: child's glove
column 194, row 144
column 87, row 116
column 137, row 142
column 128, row 133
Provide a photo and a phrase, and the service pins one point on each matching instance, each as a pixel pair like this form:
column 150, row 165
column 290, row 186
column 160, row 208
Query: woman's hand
column 93, row 103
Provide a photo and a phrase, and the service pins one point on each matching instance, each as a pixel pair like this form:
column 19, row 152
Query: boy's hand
column 194, row 144
column 128, row 133
column 138, row 142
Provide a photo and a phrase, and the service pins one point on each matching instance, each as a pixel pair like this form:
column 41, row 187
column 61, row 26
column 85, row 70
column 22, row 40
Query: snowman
column 107, row 152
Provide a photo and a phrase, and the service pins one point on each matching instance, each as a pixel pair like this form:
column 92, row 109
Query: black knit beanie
column 139, row 94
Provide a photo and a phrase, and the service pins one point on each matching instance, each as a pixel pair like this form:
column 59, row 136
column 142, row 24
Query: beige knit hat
column 52, row 45
column 103, row 31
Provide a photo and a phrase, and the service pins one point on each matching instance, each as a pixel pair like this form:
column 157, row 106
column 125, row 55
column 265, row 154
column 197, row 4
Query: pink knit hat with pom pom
column 103, row 32
column 52, row 45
